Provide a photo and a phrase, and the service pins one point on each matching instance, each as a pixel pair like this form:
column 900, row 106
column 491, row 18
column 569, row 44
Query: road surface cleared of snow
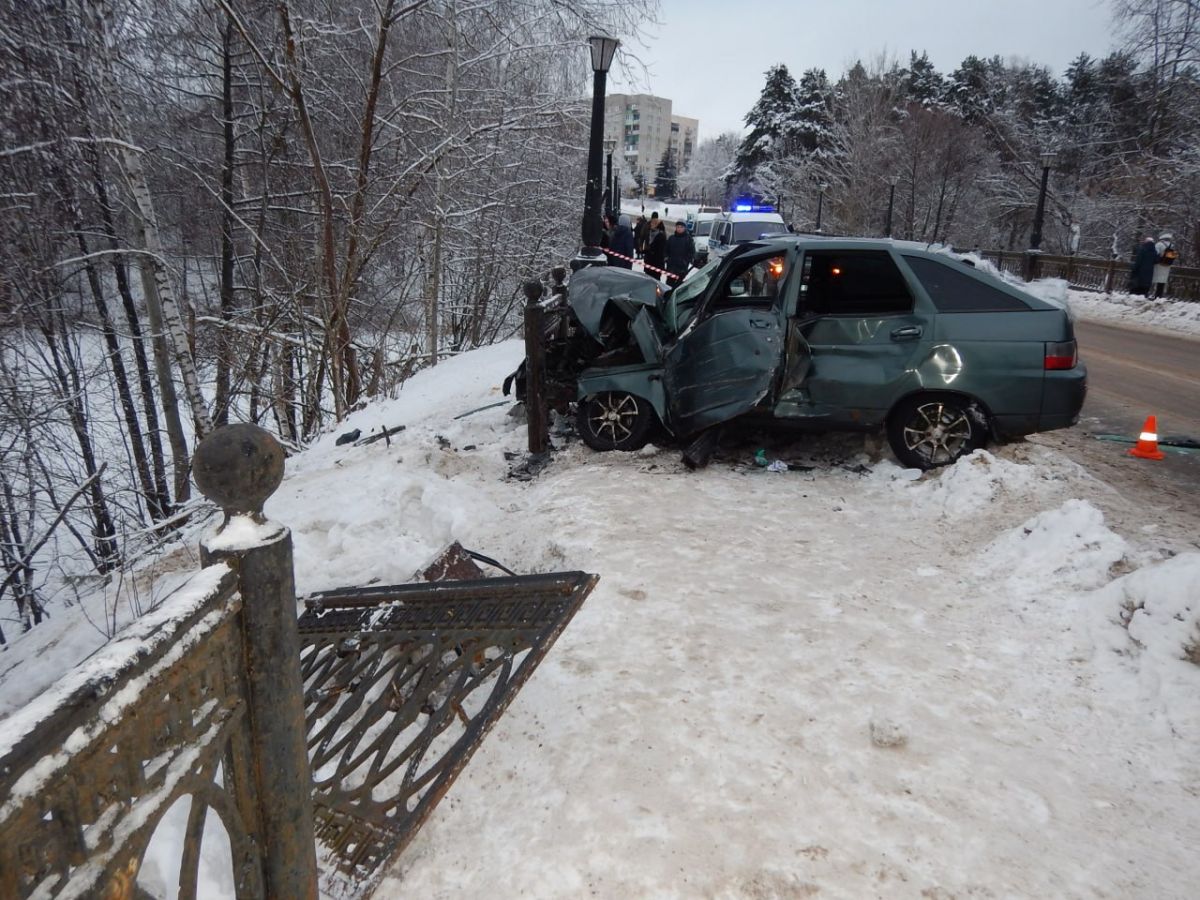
column 849, row 681
column 841, row 680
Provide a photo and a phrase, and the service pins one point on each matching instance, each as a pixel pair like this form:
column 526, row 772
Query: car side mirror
column 737, row 289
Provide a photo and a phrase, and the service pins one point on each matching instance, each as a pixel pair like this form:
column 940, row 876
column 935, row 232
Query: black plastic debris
column 385, row 435
column 348, row 438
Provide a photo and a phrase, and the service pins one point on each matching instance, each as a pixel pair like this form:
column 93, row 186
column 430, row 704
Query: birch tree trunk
column 160, row 293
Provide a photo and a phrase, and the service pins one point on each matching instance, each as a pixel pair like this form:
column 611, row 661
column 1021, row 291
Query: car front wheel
column 614, row 421
column 927, row 432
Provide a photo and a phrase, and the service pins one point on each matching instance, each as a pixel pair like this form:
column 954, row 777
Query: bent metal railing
column 357, row 717
column 401, row 685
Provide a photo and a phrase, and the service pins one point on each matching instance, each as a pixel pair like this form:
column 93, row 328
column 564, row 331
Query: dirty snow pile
column 838, row 679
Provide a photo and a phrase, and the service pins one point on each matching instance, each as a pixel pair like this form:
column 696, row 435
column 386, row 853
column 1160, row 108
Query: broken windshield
column 681, row 302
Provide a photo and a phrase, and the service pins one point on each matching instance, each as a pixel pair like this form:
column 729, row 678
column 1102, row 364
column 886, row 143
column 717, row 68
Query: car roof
column 905, row 248
column 751, row 216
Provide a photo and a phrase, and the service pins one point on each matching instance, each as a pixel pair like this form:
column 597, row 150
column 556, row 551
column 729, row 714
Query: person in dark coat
column 1143, row 267
column 621, row 242
column 656, row 248
column 639, row 235
column 606, row 231
column 680, row 252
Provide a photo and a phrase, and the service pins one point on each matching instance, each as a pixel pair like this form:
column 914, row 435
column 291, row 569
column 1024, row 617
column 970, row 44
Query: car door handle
column 907, row 333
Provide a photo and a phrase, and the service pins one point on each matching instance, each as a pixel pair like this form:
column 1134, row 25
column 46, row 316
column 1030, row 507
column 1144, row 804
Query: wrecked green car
column 815, row 334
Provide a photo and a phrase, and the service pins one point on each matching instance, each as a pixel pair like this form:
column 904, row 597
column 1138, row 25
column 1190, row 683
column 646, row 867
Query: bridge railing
column 343, row 727
column 1088, row 273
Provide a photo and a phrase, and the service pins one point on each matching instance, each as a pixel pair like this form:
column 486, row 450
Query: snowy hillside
column 845, row 679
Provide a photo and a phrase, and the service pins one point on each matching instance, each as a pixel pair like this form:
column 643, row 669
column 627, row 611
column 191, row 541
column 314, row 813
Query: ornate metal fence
column 158, row 715
column 221, row 696
column 401, row 685
column 1087, row 273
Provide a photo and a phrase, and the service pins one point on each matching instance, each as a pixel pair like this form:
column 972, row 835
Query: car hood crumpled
column 593, row 288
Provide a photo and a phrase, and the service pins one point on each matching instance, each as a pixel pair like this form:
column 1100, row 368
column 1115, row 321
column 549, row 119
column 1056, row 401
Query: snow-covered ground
column 844, row 679
column 1181, row 316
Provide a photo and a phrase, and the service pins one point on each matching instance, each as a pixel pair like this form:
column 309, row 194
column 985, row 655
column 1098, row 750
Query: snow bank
column 1068, row 546
column 1145, row 639
column 967, row 487
column 1180, row 316
column 1054, row 291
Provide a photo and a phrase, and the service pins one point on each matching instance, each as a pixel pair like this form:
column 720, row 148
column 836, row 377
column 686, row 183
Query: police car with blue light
column 744, row 222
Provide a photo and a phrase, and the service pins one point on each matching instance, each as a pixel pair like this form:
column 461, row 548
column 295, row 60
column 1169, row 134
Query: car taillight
column 1062, row 355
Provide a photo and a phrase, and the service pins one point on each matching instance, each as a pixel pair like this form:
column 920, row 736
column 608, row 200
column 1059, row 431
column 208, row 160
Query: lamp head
column 603, row 50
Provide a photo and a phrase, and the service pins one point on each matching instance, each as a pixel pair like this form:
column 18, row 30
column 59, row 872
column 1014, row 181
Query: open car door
column 728, row 362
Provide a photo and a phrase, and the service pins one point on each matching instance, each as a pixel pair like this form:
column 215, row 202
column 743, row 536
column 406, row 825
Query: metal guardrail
column 345, row 727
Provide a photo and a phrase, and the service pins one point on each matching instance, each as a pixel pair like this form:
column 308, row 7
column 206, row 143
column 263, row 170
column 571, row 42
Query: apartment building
column 643, row 129
column 683, row 139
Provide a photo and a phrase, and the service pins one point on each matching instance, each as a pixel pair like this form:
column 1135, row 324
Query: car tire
column 614, row 421
column 932, row 430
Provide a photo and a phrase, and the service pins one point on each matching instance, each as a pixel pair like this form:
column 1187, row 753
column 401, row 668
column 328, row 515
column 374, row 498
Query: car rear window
column 952, row 290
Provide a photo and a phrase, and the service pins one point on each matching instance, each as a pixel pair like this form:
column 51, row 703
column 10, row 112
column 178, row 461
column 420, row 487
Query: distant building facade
column 683, row 139
column 643, row 129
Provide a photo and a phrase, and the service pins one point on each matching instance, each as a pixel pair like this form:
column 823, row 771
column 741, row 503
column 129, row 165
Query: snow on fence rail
column 221, row 697
column 1088, row 273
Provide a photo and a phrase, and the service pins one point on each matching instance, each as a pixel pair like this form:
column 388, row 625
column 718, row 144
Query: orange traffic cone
column 1147, row 445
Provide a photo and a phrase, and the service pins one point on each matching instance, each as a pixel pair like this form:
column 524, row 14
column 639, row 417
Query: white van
column 732, row 228
column 699, row 225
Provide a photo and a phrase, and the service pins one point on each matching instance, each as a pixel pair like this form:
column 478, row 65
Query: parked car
column 817, row 334
column 700, row 226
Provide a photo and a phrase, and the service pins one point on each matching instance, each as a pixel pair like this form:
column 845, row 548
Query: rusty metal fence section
column 157, row 715
column 401, row 685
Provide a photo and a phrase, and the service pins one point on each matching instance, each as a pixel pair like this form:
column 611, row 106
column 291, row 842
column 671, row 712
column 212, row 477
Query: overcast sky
column 709, row 56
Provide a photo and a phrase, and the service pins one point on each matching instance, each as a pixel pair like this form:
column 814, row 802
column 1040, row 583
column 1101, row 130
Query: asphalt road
column 1132, row 374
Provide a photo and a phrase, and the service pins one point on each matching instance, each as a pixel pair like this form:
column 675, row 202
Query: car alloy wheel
column 927, row 432
column 614, row 421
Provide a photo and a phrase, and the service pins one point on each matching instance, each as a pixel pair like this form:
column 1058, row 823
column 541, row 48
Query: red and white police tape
column 645, row 265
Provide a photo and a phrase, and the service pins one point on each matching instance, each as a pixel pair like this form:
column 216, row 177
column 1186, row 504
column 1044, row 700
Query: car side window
column 952, row 290
column 755, row 282
column 853, row 283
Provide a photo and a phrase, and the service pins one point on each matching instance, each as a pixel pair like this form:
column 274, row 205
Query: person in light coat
column 1162, row 271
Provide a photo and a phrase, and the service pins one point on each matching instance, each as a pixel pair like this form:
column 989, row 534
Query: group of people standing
column 648, row 240
column 1152, row 265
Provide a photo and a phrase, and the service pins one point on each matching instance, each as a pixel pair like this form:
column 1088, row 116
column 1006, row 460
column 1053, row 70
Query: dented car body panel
column 823, row 334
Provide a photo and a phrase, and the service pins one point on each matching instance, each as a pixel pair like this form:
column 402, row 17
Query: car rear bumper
column 1063, row 393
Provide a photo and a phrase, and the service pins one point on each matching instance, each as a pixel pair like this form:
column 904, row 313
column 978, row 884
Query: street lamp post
column 820, row 203
column 603, row 48
column 609, row 194
column 891, row 180
column 1035, row 239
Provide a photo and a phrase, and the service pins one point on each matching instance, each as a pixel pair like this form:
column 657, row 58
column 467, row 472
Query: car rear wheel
column 614, row 421
column 930, row 431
